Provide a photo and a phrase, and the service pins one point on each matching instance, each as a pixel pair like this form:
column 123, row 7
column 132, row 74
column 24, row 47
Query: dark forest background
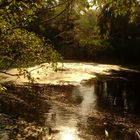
column 35, row 31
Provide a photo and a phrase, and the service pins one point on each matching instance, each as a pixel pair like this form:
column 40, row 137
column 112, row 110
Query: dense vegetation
column 95, row 30
column 79, row 29
column 119, row 22
column 20, row 47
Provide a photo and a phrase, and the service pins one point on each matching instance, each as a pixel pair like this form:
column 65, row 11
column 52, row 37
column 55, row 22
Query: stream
column 87, row 101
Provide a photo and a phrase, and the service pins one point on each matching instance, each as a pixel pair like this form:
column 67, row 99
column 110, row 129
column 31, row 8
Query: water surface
column 103, row 102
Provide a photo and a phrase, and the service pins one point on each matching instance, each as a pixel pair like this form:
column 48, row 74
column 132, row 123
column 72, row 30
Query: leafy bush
column 19, row 47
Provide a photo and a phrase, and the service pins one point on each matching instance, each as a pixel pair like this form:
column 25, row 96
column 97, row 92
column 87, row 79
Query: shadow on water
column 99, row 109
column 21, row 113
column 118, row 92
column 23, row 102
column 118, row 96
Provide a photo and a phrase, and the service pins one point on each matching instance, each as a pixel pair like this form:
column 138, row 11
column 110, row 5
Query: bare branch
column 54, row 17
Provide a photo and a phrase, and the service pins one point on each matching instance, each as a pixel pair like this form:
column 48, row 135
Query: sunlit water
column 63, row 124
column 67, row 122
column 67, row 73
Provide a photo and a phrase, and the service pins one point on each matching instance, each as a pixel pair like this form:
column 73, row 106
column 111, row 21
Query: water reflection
column 50, row 120
column 65, row 122
column 69, row 133
column 55, row 122
column 118, row 93
column 89, row 98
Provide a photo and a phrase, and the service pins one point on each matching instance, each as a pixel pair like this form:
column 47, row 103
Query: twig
column 54, row 17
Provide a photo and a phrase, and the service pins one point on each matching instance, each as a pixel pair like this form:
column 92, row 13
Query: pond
column 83, row 101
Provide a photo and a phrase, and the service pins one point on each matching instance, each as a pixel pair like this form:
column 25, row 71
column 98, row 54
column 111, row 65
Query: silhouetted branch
column 54, row 17
column 10, row 73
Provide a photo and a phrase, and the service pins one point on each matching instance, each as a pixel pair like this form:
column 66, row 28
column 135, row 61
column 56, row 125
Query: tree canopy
column 20, row 47
column 30, row 29
column 119, row 22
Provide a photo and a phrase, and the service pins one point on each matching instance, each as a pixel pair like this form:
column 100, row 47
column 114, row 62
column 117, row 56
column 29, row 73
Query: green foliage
column 116, row 16
column 20, row 47
column 93, row 49
column 119, row 23
column 67, row 24
column 86, row 26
